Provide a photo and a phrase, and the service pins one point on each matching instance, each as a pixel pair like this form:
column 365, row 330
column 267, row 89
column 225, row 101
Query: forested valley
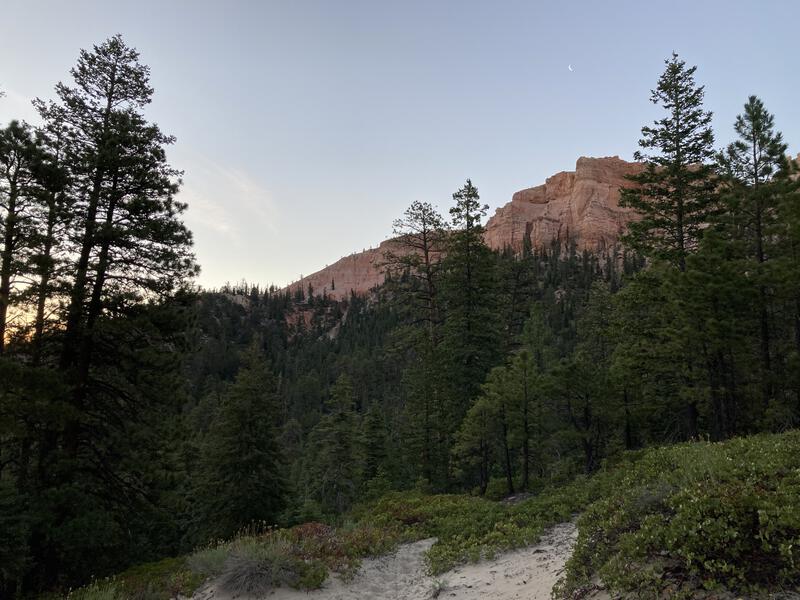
column 142, row 417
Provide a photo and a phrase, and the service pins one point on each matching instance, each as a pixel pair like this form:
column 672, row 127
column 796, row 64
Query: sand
column 528, row 574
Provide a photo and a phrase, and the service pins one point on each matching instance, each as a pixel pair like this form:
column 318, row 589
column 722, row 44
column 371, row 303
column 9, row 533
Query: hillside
column 663, row 522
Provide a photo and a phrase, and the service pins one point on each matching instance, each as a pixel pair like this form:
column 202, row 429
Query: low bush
column 208, row 562
column 714, row 516
column 97, row 590
column 255, row 567
column 160, row 580
column 470, row 528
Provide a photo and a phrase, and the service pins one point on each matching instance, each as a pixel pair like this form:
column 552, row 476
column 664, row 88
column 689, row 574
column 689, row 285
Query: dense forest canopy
column 140, row 416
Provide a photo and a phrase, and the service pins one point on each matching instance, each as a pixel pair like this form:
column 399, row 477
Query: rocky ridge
column 580, row 205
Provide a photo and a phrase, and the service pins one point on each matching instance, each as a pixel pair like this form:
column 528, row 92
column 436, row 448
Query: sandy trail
column 527, row 573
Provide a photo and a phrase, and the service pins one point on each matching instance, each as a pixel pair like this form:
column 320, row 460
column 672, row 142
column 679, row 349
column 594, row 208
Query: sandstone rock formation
column 582, row 205
column 359, row 272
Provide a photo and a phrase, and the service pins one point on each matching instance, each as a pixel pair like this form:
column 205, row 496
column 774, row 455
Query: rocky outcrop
column 359, row 272
column 582, row 205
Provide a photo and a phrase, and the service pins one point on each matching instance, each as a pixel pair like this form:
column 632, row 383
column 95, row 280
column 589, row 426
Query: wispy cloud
column 225, row 199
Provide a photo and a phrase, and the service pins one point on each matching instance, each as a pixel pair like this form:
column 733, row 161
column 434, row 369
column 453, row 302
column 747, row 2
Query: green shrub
column 97, row 590
column 722, row 516
column 208, row 562
column 255, row 567
column 470, row 528
column 160, row 580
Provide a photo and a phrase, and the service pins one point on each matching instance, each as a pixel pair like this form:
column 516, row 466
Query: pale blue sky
column 305, row 128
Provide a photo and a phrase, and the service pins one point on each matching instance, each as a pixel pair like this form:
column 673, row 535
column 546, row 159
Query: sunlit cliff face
column 580, row 205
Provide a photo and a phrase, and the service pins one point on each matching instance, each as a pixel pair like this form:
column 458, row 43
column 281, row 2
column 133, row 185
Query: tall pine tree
column 471, row 327
column 749, row 165
column 675, row 193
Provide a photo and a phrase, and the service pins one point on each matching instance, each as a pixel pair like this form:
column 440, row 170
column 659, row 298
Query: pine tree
column 107, row 262
column 131, row 241
column 475, row 443
column 20, row 157
column 786, row 275
column 528, row 413
column 49, row 256
column 749, row 166
column 375, row 453
column 675, row 193
column 414, row 267
column 498, row 393
column 515, row 293
column 333, row 470
column 420, row 237
column 583, row 382
column 471, row 328
column 243, row 467
column 428, row 425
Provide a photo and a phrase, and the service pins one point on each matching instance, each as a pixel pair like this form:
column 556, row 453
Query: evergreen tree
column 20, row 157
column 49, row 257
column 375, row 451
column 471, row 328
column 749, row 165
column 583, row 383
column 96, row 232
column 333, row 469
column 376, row 458
column 475, row 443
column 785, row 274
column 420, row 236
column 649, row 362
column 427, row 417
column 499, row 395
column 516, row 290
column 131, row 242
column 242, row 465
column 528, row 413
column 675, row 193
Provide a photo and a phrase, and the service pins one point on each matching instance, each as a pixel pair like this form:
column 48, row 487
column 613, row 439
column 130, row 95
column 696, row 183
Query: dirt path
column 528, row 574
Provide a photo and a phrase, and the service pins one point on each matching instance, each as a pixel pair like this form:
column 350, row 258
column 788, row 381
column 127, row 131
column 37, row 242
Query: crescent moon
column 570, row 68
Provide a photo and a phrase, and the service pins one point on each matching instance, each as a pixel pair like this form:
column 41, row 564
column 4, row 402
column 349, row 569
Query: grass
column 160, row 580
column 255, row 567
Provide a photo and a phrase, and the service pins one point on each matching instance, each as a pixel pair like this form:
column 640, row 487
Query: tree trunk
column 507, row 454
column 73, row 330
column 526, row 441
column 9, row 238
column 45, row 275
column 628, row 426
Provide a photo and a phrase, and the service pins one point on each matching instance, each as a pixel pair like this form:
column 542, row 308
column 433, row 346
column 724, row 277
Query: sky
column 306, row 127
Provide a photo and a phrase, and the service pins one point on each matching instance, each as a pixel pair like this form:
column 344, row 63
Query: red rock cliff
column 582, row 204
column 359, row 272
